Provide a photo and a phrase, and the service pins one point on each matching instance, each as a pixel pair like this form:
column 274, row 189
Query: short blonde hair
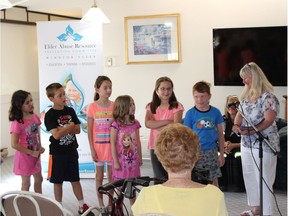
column 177, row 147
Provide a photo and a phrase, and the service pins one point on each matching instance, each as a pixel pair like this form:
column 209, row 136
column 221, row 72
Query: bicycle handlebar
column 144, row 181
column 111, row 185
column 138, row 181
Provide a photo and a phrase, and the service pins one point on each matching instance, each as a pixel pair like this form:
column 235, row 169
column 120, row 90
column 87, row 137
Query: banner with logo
column 70, row 52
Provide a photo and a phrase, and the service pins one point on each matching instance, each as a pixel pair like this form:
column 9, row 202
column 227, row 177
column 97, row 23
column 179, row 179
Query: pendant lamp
column 94, row 15
column 4, row 4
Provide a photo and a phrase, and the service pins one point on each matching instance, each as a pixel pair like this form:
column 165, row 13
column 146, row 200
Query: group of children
column 203, row 118
column 113, row 134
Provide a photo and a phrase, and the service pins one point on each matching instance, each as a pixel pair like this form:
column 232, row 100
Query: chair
column 24, row 203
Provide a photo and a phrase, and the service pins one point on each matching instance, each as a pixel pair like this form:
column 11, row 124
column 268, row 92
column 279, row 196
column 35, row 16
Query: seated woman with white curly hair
column 178, row 148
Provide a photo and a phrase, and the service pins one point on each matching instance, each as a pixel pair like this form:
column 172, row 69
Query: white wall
column 19, row 70
column 198, row 18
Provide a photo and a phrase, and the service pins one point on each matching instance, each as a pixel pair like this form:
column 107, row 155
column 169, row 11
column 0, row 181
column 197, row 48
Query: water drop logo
column 75, row 99
column 70, row 34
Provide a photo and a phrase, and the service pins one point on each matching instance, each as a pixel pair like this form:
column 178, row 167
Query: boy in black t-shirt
column 62, row 122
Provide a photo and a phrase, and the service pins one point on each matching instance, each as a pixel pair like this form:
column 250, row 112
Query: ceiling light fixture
column 95, row 15
column 4, row 4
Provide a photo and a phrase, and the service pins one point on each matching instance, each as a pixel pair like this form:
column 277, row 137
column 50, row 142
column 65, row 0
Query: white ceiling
column 63, row 7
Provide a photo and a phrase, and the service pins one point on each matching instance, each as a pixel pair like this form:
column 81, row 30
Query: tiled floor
column 236, row 202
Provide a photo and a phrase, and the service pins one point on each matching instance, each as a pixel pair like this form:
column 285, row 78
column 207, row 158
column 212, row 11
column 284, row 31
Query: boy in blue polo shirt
column 207, row 122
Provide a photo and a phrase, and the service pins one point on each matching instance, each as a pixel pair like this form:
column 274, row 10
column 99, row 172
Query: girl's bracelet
column 236, row 125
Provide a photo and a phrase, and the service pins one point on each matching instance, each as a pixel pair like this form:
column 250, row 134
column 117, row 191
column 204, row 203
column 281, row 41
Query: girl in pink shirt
column 125, row 140
column 99, row 115
column 161, row 111
column 25, row 139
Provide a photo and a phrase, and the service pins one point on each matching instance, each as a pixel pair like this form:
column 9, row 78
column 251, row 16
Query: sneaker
column 83, row 208
column 109, row 208
column 103, row 211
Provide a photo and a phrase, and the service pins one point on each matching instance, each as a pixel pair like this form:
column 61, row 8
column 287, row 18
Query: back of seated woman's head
column 177, row 147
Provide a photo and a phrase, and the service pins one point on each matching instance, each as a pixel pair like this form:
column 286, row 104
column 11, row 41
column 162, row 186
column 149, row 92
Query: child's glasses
column 165, row 89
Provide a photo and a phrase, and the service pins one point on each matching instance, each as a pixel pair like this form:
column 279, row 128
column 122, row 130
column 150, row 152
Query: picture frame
column 152, row 39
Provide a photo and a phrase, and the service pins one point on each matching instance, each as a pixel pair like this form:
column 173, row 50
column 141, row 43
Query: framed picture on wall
column 152, row 39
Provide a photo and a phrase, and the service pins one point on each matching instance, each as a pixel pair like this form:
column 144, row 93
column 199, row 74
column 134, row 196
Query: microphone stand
column 260, row 138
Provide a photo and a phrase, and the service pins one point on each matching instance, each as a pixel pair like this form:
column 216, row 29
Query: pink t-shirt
column 160, row 114
column 26, row 165
column 127, row 151
column 101, row 130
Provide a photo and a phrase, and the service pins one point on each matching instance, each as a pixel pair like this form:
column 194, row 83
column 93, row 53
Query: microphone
column 234, row 103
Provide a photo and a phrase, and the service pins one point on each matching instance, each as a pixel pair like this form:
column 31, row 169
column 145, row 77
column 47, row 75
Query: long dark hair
column 173, row 103
column 98, row 83
column 17, row 101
